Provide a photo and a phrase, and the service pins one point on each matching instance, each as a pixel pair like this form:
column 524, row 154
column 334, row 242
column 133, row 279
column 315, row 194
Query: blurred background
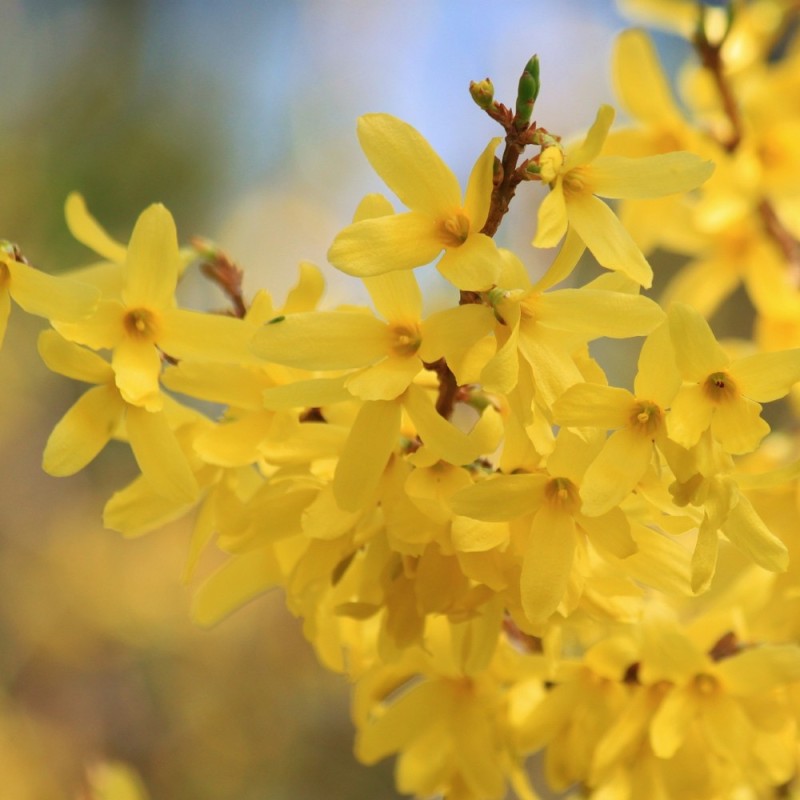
column 240, row 118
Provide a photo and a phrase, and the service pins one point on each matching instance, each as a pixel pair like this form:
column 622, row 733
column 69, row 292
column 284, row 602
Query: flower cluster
column 503, row 552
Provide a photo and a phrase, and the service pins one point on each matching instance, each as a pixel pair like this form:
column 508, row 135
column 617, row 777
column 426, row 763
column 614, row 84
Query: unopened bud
column 527, row 92
column 482, row 92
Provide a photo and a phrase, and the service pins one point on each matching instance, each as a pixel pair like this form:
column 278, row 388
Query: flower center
column 646, row 417
column 454, row 230
column 720, row 387
column 562, row 494
column 140, row 323
column 575, row 181
column 405, row 339
column 705, row 684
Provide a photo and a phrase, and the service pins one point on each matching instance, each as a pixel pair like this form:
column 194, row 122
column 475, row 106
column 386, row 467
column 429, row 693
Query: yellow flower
column 146, row 323
column 572, row 204
column 439, row 218
column 719, row 393
column 102, row 412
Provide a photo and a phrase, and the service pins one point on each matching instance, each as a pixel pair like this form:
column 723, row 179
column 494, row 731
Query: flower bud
column 527, row 92
column 482, row 92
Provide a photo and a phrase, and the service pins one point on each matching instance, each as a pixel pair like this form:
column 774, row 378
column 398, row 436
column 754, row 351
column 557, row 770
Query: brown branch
column 219, row 269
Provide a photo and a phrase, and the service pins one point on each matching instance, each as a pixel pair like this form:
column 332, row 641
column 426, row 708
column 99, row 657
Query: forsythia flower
column 439, row 219
column 577, row 175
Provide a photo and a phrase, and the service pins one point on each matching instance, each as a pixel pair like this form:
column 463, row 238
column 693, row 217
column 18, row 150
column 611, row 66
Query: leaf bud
column 527, row 92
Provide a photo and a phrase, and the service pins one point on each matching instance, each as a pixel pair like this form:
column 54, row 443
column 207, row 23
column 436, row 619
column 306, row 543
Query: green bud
column 527, row 92
column 482, row 92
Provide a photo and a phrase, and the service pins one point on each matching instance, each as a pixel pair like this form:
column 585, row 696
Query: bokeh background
column 240, row 118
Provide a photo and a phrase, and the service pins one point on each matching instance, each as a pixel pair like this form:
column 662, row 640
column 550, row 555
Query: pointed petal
column 396, row 295
column 383, row 244
column 737, row 425
column 85, row 228
column 385, row 380
column 236, row 582
column 607, row 239
column 760, row 669
column 657, row 378
column 596, row 313
column 564, row 263
column 306, row 394
column 152, row 260
column 591, row 146
column 671, row 722
column 159, row 455
column 138, row 509
column 72, row 360
column 500, row 498
column 594, row 405
column 5, row 311
column 641, row 84
column 551, row 221
column 697, row 352
column 473, row 266
column 547, row 563
column 610, row 533
column 83, row 431
column 767, row 376
column 616, row 471
column 55, row 298
column 137, row 366
column 323, row 340
column 196, row 336
column 408, row 164
column 307, row 292
column 360, row 468
column 372, row 205
column 651, row 176
column 749, row 533
column 689, row 416
column 479, row 188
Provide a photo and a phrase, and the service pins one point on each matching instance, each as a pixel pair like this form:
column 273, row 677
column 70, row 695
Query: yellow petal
column 306, row 394
column 642, row 87
column 383, row 244
column 671, row 722
column 55, row 298
column 767, row 376
column 651, row 176
column 73, row 361
column 323, row 340
column 547, row 562
column 408, row 164
column 614, row 474
column 473, row 266
column 152, row 260
column 595, row 313
column 5, row 310
column 103, row 329
column 607, row 239
column 308, row 290
column 235, row 583
column 697, row 352
column 591, row 146
column 479, row 188
column 564, row 263
column 500, row 498
column 737, row 425
column 551, row 223
column 372, row 205
column 396, row 296
column 138, row 509
column 85, row 228
column 360, row 467
column 198, row 336
column 230, row 384
column 657, row 378
column 689, row 416
column 83, row 431
column 159, row 455
column 137, row 366
column 385, row 380
column 592, row 404
column 475, row 536
column 760, row 669
column 748, row 532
